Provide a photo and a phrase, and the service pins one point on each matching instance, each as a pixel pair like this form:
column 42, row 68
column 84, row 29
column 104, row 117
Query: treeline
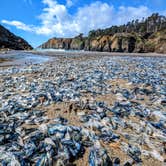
column 151, row 24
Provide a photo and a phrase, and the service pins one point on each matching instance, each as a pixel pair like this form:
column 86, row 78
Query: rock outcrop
column 119, row 42
column 156, row 42
column 10, row 41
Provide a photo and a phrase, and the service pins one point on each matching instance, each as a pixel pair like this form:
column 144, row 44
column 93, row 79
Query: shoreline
column 21, row 58
column 84, row 53
column 73, row 52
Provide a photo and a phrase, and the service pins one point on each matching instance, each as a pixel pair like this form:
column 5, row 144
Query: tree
column 149, row 25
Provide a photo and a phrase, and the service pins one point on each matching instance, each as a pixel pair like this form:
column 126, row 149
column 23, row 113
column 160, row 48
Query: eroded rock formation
column 119, row 42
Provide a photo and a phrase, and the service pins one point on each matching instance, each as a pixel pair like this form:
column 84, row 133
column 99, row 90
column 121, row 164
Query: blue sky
column 38, row 20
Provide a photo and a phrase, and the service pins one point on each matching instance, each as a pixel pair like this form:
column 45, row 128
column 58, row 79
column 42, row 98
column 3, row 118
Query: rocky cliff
column 119, row 42
column 148, row 35
column 10, row 41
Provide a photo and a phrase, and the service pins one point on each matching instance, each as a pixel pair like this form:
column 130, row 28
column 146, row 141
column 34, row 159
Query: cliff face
column 64, row 43
column 11, row 41
column 156, row 42
column 119, row 42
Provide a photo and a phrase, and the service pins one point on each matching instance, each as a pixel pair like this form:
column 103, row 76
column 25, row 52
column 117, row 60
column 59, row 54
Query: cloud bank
column 56, row 20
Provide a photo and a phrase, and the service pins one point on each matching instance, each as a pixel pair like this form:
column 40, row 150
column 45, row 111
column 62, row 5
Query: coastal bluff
column 120, row 42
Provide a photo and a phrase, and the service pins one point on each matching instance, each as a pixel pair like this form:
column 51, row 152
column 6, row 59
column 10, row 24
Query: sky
column 38, row 20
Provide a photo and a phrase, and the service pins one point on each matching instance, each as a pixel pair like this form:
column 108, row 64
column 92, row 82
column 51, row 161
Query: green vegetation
column 150, row 25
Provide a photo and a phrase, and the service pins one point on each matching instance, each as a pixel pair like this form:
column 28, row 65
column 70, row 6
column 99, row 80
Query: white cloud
column 56, row 20
column 19, row 25
column 96, row 15
column 125, row 14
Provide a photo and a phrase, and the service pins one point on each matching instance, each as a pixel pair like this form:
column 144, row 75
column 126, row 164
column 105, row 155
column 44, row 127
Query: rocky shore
column 84, row 110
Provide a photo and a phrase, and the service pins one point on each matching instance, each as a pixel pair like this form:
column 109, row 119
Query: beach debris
column 132, row 117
